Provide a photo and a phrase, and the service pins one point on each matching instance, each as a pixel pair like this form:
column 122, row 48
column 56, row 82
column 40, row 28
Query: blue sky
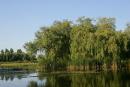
column 20, row 19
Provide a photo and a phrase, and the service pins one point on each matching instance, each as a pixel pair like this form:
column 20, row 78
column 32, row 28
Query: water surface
column 24, row 78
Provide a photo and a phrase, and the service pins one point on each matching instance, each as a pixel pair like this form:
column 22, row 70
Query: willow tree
column 82, row 37
column 94, row 43
column 84, row 43
column 107, row 49
column 126, row 39
column 114, row 44
column 54, row 42
column 106, row 23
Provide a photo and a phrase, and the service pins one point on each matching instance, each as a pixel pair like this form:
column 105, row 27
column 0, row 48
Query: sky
column 20, row 19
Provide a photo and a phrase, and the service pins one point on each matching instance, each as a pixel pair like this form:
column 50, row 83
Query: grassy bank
column 23, row 65
column 71, row 68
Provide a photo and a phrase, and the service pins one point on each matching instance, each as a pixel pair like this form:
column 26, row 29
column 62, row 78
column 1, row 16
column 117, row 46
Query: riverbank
column 23, row 65
column 69, row 69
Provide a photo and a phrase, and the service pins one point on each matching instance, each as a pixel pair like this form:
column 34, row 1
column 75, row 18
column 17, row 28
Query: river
column 27, row 78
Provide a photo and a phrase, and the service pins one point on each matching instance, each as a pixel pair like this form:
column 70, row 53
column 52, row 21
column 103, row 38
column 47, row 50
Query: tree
column 11, row 57
column 84, row 43
column 106, row 23
column 2, row 55
column 82, row 39
column 54, row 41
column 7, row 55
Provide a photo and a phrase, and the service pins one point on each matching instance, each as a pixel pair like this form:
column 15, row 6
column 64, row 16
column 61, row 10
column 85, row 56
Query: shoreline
column 23, row 65
column 37, row 67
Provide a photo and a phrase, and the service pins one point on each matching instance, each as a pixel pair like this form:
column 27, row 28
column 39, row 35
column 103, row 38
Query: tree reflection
column 103, row 79
column 33, row 84
column 11, row 74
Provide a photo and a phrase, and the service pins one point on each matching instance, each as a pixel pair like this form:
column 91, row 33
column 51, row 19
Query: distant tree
column 7, row 55
column 11, row 57
column 2, row 55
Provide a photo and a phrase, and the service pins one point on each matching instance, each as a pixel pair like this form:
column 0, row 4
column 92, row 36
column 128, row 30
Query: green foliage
column 83, row 43
column 54, row 41
column 11, row 56
column 106, row 23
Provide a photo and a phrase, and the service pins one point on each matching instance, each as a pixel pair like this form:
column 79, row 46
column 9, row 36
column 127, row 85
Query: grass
column 23, row 65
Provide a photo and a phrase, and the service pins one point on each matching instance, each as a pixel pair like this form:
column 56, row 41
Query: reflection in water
column 11, row 74
column 33, row 84
column 108, row 79
column 30, row 79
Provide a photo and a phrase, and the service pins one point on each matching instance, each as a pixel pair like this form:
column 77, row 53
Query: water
column 23, row 78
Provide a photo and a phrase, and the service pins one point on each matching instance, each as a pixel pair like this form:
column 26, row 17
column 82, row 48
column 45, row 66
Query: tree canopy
column 81, row 43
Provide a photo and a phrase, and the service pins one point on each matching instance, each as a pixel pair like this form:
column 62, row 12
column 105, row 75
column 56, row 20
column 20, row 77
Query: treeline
column 8, row 55
column 82, row 45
